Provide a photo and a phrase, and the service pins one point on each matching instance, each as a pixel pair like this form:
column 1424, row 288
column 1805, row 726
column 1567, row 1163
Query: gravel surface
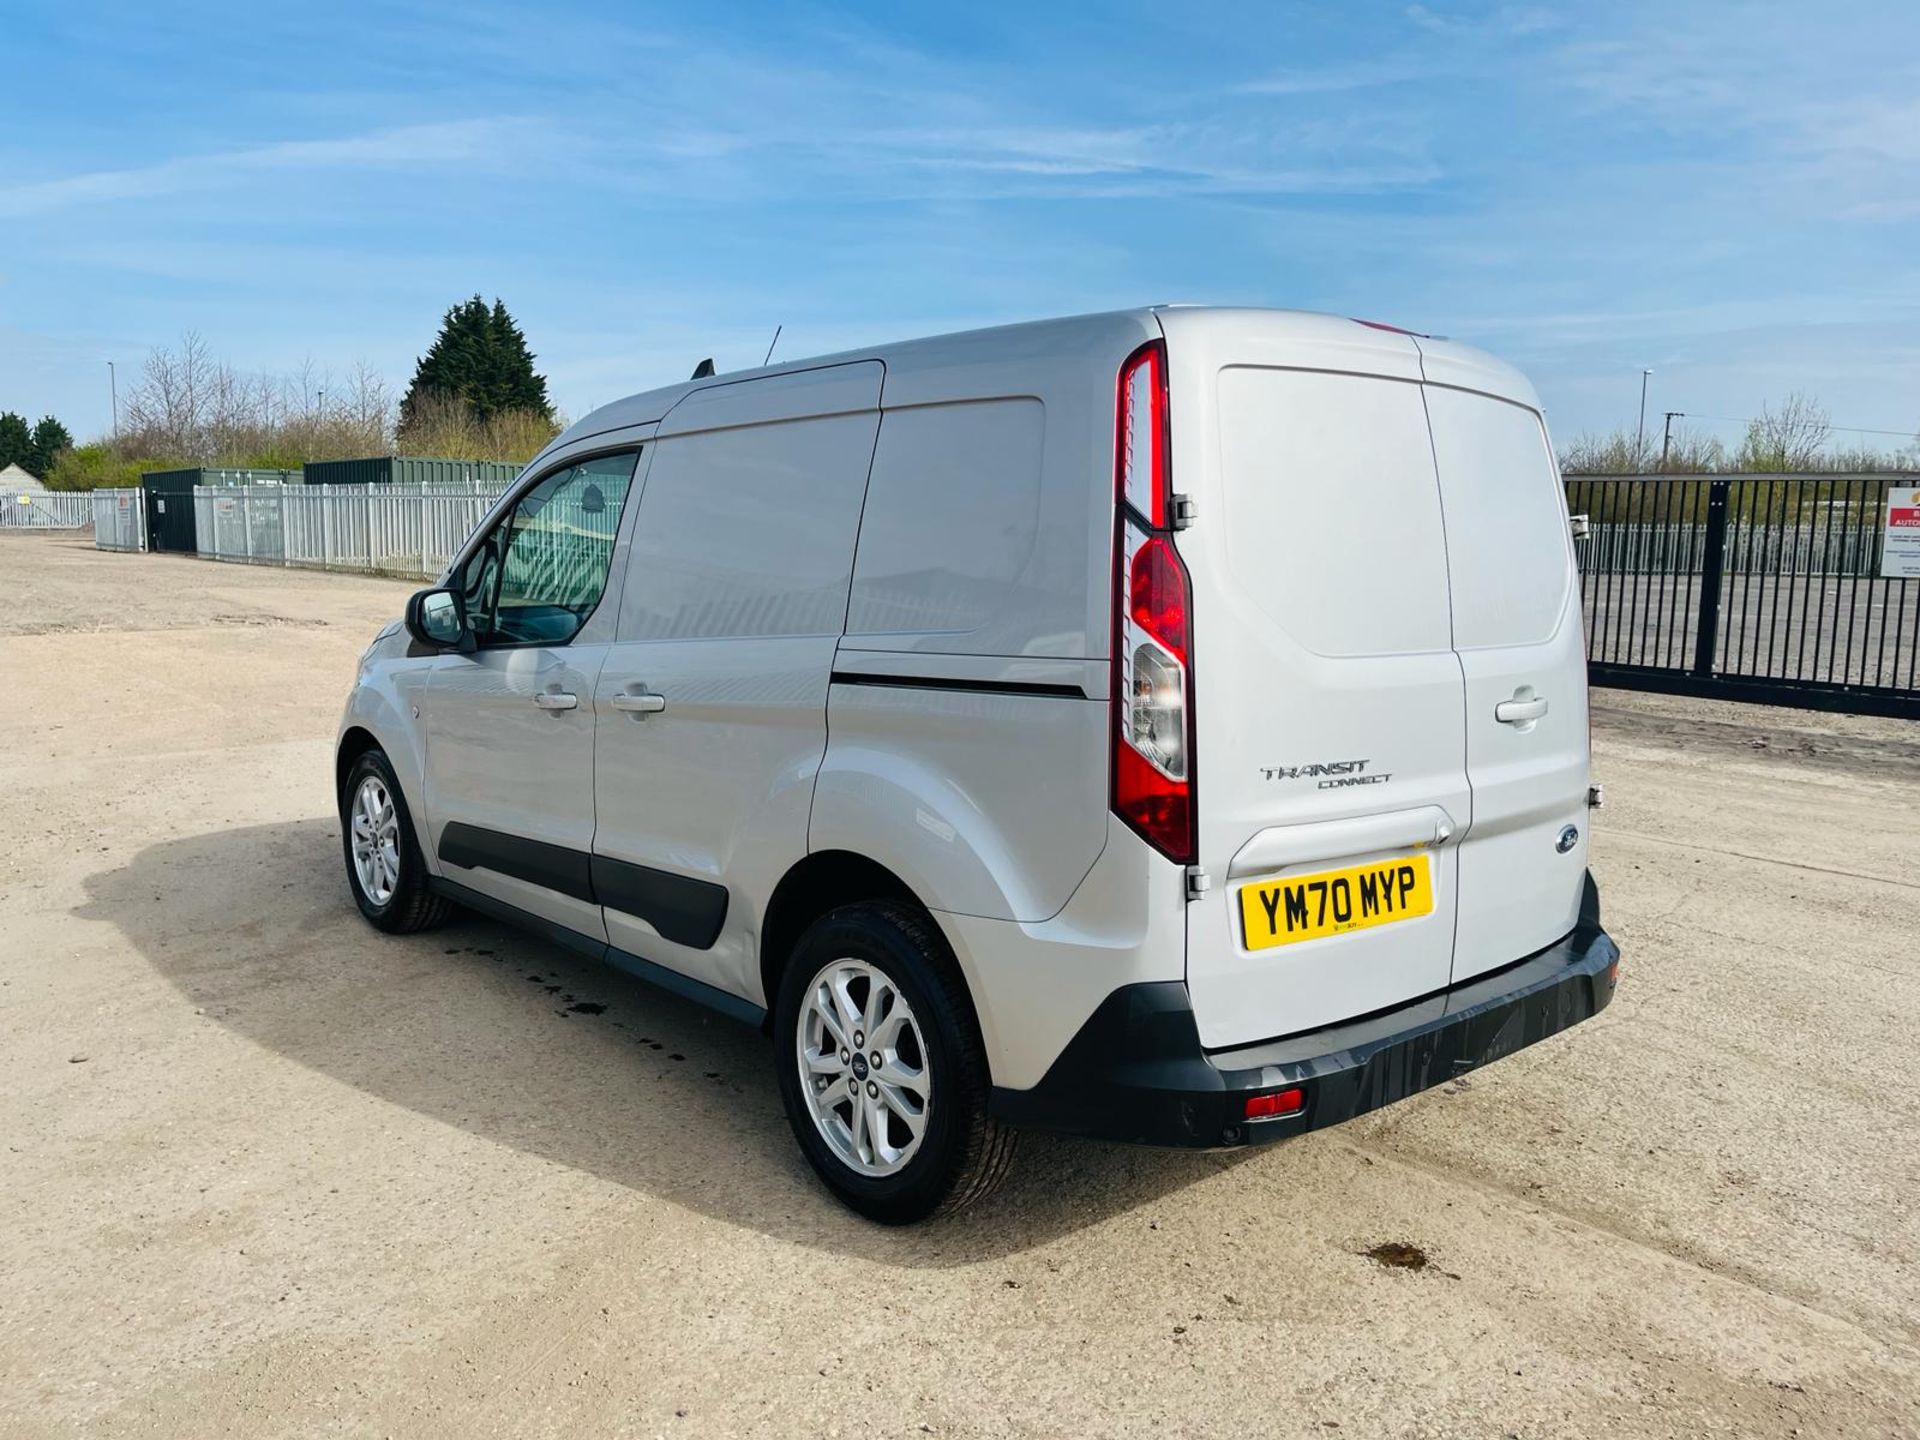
column 270, row 1173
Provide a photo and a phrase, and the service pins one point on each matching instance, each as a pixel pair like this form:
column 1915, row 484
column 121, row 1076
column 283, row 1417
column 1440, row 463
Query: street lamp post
column 1640, row 435
column 113, row 389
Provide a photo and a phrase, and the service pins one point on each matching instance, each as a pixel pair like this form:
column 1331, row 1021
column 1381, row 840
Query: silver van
column 1167, row 726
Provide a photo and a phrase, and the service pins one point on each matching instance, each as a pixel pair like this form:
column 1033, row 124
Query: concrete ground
column 268, row 1172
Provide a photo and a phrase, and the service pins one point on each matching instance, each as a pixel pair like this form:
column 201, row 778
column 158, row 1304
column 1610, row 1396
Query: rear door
column 1516, row 625
column 1328, row 702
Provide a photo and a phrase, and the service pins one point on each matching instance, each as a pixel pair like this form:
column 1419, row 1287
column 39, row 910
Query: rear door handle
column 1520, row 712
column 643, row 704
column 556, row 700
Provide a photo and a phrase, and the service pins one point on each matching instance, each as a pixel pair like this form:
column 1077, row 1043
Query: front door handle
column 641, row 704
column 1522, row 710
column 556, row 700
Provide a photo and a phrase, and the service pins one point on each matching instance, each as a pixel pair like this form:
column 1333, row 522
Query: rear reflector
column 1276, row 1106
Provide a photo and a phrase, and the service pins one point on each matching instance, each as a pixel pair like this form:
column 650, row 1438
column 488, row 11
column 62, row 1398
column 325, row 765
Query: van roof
column 1459, row 364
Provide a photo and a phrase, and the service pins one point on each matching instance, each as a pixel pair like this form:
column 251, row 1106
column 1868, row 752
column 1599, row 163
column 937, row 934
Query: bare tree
column 1620, row 453
column 189, row 409
column 1790, row 438
column 166, row 407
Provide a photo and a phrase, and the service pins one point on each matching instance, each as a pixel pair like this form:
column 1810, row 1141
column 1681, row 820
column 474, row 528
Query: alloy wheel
column 376, row 840
column 863, row 1067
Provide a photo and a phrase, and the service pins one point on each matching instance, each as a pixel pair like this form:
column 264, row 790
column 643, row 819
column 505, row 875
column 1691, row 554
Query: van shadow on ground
column 474, row 1026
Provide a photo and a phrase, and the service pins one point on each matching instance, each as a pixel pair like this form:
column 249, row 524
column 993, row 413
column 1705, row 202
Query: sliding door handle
column 641, row 704
column 556, row 700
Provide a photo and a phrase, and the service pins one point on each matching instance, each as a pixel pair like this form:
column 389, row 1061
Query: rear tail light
column 1152, row 666
column 1142, row 448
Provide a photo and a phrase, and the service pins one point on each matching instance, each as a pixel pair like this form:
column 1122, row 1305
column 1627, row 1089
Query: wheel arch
column 813, row 885
column 376, row 718
column 355, row 741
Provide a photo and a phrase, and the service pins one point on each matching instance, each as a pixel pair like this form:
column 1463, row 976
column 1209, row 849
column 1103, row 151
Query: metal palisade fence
column 45, row 510
column 120, row 519
column 407, row 530
column 1782, row 589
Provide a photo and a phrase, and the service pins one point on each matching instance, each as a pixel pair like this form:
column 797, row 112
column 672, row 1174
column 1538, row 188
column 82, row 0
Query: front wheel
column 881, row 1068
column 385, row 870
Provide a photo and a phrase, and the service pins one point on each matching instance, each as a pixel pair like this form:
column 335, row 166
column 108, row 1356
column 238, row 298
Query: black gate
column 1751, row 587
column 169, row 499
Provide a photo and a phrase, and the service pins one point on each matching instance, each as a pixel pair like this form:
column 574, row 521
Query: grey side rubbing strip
column 684, row 910
column 557, row 867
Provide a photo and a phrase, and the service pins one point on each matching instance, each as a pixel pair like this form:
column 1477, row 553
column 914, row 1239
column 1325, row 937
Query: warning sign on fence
column 1900, row 550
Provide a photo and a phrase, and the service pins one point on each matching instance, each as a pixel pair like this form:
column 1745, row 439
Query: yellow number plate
column 1332, row 902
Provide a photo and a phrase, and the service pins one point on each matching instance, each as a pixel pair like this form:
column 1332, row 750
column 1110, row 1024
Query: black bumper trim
column 1136, row 1071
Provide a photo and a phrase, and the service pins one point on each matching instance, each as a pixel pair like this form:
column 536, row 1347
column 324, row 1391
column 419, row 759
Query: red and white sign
column 1900, row 547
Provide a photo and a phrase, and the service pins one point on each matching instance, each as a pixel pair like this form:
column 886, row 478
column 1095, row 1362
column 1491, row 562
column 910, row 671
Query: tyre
column 881, row 1068
column 384, row 867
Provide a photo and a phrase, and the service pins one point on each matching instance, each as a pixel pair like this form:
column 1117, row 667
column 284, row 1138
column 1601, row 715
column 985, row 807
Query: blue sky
column 1727, row 193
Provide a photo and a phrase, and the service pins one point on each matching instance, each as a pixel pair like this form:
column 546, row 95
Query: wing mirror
column 437, row 619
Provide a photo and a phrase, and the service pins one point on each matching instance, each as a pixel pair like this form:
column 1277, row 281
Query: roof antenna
column 703, row 369
column 773, row 342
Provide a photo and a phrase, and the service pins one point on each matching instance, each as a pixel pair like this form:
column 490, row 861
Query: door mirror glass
column 437, row 618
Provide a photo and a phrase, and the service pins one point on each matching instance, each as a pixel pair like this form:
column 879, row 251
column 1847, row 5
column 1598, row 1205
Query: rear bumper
column 1136, row 1071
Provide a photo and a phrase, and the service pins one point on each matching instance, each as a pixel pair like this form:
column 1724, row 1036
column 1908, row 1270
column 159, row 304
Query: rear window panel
column 1512, row 560
column 1333, row 518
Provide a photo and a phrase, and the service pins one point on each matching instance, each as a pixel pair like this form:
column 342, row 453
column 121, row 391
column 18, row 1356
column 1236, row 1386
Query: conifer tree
column 480, row 357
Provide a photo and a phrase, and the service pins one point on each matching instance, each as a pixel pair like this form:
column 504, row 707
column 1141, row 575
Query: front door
column 509, row 728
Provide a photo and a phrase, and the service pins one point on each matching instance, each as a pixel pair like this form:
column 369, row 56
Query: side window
column 540, row 573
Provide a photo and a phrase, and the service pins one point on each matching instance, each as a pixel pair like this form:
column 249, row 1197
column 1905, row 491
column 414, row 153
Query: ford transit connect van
column 1167, row 726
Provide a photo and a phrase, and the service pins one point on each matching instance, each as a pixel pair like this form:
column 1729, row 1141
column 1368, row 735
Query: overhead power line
column 1849, row 429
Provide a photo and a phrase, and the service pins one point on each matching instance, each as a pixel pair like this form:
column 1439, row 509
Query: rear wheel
column 385, row 870
column 881, row 1068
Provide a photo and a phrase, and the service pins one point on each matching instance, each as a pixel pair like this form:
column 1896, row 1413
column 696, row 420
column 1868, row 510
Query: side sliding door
column 711, row 705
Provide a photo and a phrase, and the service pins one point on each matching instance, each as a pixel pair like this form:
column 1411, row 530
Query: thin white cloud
column 1002, row 161
column 1514, row 21
column 1338, row 79
column 459, row 140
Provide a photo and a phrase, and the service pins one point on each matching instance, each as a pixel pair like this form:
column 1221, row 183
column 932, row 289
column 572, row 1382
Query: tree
column 167, row 407
column 1790, row 438
column 1621, row 453
column 479, row 358
column 88, row 467
column 50, row 437
column 192, row 409
column 16, row 442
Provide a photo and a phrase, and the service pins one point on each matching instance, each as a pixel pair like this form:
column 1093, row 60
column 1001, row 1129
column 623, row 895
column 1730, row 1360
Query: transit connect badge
column 1331, row 774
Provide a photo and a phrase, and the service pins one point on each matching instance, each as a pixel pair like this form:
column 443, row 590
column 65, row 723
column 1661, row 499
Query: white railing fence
column 410, row 530
column 1849, row 547
column 45, row 510
column 119, row 519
